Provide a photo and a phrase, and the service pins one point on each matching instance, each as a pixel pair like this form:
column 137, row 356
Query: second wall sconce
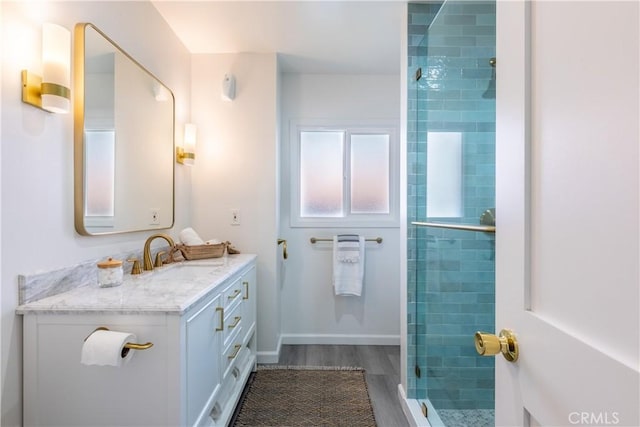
column 186, row 154
column 51, row 91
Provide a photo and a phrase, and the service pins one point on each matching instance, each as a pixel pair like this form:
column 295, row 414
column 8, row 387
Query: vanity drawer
column 234, row 353
column 232, row 323
column 232, row 294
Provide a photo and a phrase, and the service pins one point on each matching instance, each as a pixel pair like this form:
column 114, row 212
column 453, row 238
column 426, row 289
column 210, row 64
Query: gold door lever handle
column 283, row 242
column 489, row 345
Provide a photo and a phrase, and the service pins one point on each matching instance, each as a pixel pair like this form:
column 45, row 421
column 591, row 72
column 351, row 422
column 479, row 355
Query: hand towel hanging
column 348, row 264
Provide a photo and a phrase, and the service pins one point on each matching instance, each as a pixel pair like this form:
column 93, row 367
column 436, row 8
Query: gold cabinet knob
column 489, row 345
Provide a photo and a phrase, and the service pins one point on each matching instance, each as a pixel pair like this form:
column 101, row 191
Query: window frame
column 351, row 127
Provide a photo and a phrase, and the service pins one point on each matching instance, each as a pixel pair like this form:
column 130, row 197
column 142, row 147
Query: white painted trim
column 270, row 356
column 348, row 126
column 338, row 339
column 412, row 410
column 404, row 88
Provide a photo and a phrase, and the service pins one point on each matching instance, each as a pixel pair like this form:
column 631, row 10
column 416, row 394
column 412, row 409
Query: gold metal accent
column 135, row 268
column 284, row 248
column 424, row 408
column 158, row 261
column 489, row 345
column 493, row 62
column 146, row 253
column 181, row 155
column 316, row 239
column 246, row 290
column 134, row 346
column 55, row 89
column 467, row 227
column 129, row 345
column 33, row 89
column 237, row 348
column 79, row 84
column 235, row 322
column 235, row 294
column 221, row 311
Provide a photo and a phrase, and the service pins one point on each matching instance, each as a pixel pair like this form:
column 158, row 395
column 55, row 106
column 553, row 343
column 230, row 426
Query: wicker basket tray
column 202, row 251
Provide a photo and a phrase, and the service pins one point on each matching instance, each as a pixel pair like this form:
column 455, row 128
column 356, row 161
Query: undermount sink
column 184, row 271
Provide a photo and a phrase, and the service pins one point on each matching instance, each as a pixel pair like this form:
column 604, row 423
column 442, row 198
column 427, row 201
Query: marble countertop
column 171, row 289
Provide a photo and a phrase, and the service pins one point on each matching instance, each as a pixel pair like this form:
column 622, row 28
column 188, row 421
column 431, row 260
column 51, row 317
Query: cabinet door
column 204, row 337
column 249, row 299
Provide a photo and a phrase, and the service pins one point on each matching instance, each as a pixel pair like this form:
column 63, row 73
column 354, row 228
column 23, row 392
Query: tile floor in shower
column 467, row 417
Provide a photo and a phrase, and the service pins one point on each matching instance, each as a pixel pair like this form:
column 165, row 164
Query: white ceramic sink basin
column 184, row 271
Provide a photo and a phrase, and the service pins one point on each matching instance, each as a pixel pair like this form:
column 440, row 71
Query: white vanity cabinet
column 204, row 345
column 202, row 355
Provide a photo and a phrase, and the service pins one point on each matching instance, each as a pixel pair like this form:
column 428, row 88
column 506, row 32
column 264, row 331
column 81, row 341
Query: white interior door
column 567, row 238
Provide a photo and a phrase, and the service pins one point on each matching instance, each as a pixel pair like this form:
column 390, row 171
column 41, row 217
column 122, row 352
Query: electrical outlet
column 154, row 217
column 235, row 216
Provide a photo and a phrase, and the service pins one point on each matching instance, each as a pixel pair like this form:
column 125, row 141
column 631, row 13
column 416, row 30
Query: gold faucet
column 146, row 254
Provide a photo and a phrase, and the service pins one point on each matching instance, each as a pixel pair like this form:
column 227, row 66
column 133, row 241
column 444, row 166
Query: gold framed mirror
column 124, row 127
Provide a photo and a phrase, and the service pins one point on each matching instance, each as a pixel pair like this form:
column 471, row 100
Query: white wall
column 310, row 311
column 37, row 232
column 236, row 167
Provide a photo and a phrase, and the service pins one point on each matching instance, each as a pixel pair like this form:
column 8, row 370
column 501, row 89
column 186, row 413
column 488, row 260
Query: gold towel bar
column 315, row 239
column 130, row 345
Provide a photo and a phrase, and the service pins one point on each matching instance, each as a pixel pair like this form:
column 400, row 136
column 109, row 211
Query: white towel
column 348, row 275
column 348, row 247
column 189, row 237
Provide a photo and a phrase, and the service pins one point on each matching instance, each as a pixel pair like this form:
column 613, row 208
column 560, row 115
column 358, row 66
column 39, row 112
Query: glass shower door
column 451, row 195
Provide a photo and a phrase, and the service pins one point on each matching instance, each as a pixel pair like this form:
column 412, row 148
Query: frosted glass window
column 321, row 174
column 370, row 174
column 444, row 174
column 100, row 172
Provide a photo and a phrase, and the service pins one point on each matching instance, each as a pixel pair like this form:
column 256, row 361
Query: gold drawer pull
column 235, row 323
column 246, row 290
column 221, row 311
column 236, row 350
column 235, row 294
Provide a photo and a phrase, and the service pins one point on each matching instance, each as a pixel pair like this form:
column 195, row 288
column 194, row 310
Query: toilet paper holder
column 128, row 346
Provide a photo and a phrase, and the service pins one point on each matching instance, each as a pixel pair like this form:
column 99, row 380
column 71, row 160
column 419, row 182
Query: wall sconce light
column 228, row 87
column 186, row 155
column 51, row 91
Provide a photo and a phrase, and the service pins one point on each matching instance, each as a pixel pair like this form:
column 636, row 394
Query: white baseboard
column 270, row 357
column 337, row 339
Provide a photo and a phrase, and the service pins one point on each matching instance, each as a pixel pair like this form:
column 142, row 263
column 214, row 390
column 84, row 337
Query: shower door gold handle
column 489, row 345
column 284, row 248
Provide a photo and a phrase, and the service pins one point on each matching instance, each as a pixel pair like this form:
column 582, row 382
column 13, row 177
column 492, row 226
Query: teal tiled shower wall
column 451, row 278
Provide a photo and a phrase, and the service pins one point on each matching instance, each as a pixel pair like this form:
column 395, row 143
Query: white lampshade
column 190, row 131
column 56, row 74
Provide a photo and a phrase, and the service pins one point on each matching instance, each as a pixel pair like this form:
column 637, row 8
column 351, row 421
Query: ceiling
column 343, row 37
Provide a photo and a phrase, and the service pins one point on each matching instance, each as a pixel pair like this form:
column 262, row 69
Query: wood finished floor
column 382, row 372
